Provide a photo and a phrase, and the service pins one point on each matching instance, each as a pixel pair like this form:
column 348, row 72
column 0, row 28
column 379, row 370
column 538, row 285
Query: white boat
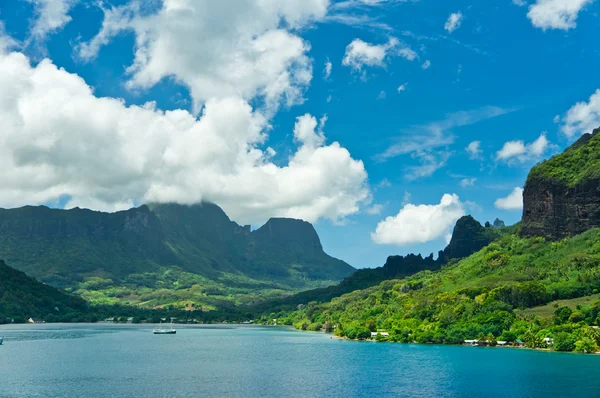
column 165, row 331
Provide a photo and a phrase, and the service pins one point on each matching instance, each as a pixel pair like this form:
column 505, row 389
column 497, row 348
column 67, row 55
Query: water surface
column 129, row 361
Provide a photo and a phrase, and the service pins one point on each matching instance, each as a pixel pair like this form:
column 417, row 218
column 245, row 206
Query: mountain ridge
column 65, row 248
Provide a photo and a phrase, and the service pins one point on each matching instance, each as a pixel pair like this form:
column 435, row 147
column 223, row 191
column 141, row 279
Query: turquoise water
column 129, row 361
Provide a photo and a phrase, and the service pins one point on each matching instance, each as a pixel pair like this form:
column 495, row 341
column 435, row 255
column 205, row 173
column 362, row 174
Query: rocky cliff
column 562, row 195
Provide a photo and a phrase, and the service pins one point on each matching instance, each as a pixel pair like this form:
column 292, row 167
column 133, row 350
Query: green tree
column 564, row 342
column 561, row 315
column 586, row 345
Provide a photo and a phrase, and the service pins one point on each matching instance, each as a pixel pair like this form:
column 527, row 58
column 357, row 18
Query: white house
column 383, row 334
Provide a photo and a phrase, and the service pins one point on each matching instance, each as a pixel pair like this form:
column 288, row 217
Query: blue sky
column 355, row 115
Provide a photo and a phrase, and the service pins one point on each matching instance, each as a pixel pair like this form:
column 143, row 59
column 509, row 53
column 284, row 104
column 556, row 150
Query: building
column 472, row 342
column 383, row 334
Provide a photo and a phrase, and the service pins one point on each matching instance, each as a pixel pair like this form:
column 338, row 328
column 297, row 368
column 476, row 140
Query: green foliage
column 481, row 298
column 564, row 342
column 586, row 345
column 166, row 254
column 22, row 297
column 579, row 163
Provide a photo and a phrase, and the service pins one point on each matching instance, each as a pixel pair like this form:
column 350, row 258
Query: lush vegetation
column 479, row 297
column 468, row 237
column 22, row 297
column 157, row 255
column 579, row 163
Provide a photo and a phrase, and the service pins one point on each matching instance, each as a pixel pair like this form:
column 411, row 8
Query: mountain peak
column 284, row 231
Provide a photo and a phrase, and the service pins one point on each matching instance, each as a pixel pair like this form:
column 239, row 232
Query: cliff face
column 562, row 195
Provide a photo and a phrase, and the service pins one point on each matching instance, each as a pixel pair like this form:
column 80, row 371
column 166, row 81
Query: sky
column 380, row 121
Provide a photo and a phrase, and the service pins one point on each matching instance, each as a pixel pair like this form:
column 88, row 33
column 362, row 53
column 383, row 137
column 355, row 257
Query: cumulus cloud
column 583, row 117
column 514, row 201
column 474, row 150
column 420, row 223
column 556, row 14
column 50, row 16
column 57, row 139
column 519, row 151
column 402, row 87
column 426, row 64
column 454, row 21
column 252, row 52
column 360, row 54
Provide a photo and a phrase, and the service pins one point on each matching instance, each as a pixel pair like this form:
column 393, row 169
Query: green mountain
column 524, row 285
column 468, row 237
column 22, row 297
column 562, row 195
column 165, row 254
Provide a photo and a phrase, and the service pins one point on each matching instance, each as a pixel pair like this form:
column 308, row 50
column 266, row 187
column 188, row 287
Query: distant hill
column 468, row 237
column 22, row 297
column 165, row 246
column 562, row 195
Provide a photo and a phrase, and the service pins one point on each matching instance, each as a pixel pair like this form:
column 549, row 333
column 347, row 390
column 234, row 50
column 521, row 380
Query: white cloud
column 402, row 87
column 360, row 54
column 385, row 183
column 426, row 64
column 518, row 150
column 514, row 201
column 454, row 21
column 556, row 14
column 583, row 117
column 327, row 69
column 420, row 224
column 252, row 52
column 519, row 3
column 474, row 150
column 438, row 134
column 467, row 182
column 6, row 42
column 381, row 95
column 429, row 163
column 58, row 139
column 375, row 209
column 406, row 198
column 50, row 16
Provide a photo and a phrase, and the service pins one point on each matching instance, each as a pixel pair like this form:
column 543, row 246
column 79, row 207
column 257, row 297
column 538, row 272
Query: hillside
column 562, row 195
column 477, row 297
column 522, row 285
column 165, row 254
column 468, row 237
column 22, row 297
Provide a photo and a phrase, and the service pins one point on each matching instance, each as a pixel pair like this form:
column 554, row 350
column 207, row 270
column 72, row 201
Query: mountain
column 522, row 284
column 484, row 296
column 187, row 251
column 468, row 237
column 22, row 297
column 562, row 195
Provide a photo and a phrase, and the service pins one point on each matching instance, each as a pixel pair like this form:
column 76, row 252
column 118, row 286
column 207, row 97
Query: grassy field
column 547, row 311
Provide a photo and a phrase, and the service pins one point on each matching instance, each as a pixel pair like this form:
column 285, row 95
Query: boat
column 165, row 331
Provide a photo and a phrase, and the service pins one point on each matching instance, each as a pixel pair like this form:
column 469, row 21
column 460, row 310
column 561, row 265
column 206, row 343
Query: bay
column 104, row 360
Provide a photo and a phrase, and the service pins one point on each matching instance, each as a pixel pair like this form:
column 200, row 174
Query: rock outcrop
column 469, row 236
column 562, row 195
